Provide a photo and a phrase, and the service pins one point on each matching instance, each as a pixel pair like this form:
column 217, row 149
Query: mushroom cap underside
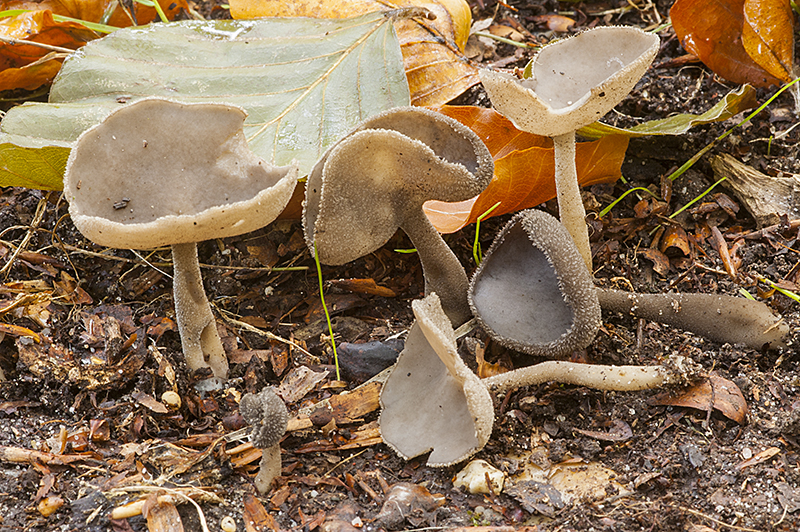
column 533, row 292
column 575, row 81
column 431, row 400
column 158, row 172
column 367, row 185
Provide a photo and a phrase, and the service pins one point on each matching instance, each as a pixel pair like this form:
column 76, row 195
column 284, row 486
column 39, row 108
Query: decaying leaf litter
column 126, row 436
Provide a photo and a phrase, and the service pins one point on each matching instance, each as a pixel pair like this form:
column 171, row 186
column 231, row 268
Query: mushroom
column 159, row 172
column 267, row 413
column 720, row 318
column 532, row 291
column 376, row 179
column 431, row 400
column 573, row 83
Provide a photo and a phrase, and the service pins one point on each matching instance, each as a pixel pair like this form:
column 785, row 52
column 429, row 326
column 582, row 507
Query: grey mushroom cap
column 377, row 177
column 575, row 81
column 431, row 400
column 159, row 172
column 267, row 414
column 533, row 292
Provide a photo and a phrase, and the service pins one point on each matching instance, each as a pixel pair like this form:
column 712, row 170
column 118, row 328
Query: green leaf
column 304, row 83
column 732, row 104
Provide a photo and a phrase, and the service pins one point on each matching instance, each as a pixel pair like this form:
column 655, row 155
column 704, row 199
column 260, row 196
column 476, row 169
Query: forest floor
column 86, row 441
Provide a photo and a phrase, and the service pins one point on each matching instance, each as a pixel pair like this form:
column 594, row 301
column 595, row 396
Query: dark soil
column 86, row 392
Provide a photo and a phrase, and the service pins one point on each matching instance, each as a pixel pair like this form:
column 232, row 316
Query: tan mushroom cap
column 533, row 292
column 158, row 172
column 431, row 400
column 574, row 81
column 363, row 188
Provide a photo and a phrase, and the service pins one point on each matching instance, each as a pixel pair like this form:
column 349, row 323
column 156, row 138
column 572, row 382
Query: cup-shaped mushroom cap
column 372, row 180
column 431, row 400
column 533, row 292
column 574, row 81
column 158, row 172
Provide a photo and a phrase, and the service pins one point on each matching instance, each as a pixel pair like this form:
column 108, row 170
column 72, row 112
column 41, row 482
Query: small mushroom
column 573, row 83
column 268, row 415
column 431, row 400
column 532, row 292
column 720, row 318
column 158, row 172
column 375, row 181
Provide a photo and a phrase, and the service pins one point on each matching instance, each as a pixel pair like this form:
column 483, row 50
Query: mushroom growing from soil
column 267, row 414
column 720, row 318
column 431, row 400
column 573, row 83
column 532, row 292
column 159, row 172
column 376, row 179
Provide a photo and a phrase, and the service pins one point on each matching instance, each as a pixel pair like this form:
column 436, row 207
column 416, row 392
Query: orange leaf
column 436, row 67
column 767, row 36
column 524, row 171
column 712, row 30
column 27, row 67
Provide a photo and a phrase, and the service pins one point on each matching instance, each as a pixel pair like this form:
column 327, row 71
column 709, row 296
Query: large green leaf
column 304, row 83
column 732, row 104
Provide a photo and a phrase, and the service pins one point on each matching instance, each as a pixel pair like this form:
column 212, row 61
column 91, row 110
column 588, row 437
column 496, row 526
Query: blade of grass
column 698, row 198
column 152, row 3
column 94, row 26
column 787, row 293
column 613, row 203
column 477, row 253
column 327, row 315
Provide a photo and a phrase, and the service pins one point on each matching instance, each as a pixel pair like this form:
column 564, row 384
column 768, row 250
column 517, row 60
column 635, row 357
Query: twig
column 717, row 521
column 37, row 219
column 246, row 326
column 9, row 40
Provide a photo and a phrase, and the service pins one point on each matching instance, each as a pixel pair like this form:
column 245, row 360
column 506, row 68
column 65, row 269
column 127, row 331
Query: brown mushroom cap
column 158, row 172
column 431, row 400
column 365, row 186
column 268, row 415
column 533, row 292
column 575, row 81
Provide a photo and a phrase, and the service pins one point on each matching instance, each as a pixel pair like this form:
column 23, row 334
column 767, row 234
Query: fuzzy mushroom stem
column 202, row 346
column 570, row 204
column 443, row 273
column 617, row 378
column 721, row 318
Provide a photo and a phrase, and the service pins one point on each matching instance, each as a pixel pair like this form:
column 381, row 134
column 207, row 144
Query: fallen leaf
column 362, row 286
column 619, row 431
column 433, row 50
column 150, row 402
column 768, row 36
column 712, row 30
column 714, row 392
column 27, row 67
column 557, row 23
column 162, row 517
column 733, row 103
column 524, row 172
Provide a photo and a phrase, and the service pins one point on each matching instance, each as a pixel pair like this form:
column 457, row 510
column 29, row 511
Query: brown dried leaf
column 162, row 516
column 524, row 172
column 758, row 458
column 619, row 431
column 362, row 286
column 436, row 67
column 713, row 392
